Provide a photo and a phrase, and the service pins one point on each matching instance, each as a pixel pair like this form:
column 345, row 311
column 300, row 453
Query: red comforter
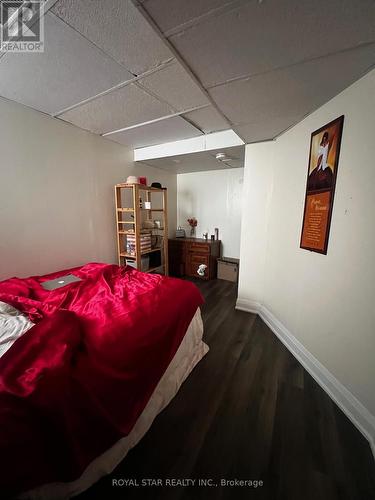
column 78, row 380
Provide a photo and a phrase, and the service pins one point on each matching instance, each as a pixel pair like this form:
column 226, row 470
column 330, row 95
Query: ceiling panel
column 182, row 11
column 117, row 27
column 207, row 119
column 168, row 130
column 286, row 96
column 258, row 37
column 71, row 69
column 200, row 162
column 175, row 86
column 121, row 108
column 267, row 129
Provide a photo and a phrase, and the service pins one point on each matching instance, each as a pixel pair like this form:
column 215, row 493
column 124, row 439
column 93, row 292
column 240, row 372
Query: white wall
column 214, row 198
column 325, row 302
column 257, row 193
column 56, row 193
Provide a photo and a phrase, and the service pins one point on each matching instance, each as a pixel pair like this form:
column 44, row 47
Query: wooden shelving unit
column 132, row 221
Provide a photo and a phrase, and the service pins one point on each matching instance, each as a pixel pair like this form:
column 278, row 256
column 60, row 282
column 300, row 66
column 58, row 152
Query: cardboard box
column 227, row 269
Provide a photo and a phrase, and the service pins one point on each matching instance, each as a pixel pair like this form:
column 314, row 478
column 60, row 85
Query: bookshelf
column 142, row 227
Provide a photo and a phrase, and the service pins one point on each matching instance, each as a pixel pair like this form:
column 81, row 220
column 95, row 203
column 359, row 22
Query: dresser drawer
column 199, row 248
column 197, row 259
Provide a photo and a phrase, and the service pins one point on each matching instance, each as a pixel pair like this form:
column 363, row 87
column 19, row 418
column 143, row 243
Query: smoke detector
column 221, row 156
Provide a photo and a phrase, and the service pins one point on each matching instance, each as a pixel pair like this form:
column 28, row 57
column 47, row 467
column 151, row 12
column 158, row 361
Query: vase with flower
column 193, row 224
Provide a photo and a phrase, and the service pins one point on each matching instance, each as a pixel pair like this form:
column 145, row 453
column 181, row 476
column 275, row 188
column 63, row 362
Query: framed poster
column 320, row 186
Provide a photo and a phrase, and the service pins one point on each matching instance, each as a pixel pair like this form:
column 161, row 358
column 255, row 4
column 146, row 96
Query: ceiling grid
column 160, row 70
column 228, row 44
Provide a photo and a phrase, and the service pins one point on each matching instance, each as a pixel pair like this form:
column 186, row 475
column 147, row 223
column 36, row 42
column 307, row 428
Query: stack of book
column 145, row 241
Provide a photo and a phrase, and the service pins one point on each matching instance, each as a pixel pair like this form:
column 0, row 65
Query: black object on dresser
column 187, row 254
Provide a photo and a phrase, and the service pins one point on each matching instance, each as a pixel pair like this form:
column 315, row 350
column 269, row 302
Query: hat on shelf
column 156, row 185
column 132, row 179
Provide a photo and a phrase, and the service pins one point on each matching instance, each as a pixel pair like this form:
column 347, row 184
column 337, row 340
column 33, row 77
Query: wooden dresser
column 186, row 254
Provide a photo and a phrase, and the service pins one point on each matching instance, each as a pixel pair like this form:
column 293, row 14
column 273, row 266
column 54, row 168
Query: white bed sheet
column 192, row 349
column 13, row 324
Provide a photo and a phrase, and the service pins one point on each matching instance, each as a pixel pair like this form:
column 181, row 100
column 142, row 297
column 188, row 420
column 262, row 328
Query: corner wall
column 324, row 303
column 56, row 193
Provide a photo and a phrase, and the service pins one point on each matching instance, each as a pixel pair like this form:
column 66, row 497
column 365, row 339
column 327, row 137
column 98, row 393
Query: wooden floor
column 248, row 411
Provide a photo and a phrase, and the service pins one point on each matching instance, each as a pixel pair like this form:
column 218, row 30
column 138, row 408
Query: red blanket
column 78, row 380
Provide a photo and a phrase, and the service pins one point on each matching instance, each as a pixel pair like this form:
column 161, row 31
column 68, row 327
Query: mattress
column 191, row 350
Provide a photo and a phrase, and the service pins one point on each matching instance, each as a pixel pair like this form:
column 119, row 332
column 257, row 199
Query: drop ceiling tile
column 70, row 70
column 182, row 12
column 118, row 28
column 176, row 87
column 287, row 95
column 121, row 108
column 266, row 129
column 258, row 37
column 168, row 130
column 207, row 119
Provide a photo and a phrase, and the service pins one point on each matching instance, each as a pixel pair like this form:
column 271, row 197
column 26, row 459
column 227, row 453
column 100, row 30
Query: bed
column 95, row 362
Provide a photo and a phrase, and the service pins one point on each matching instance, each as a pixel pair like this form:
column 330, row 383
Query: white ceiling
column 269, row 63
column 175, row 86
column 167, row 130
column 120, row 108
column 198, row 162
column 163, row 70
column 118, row 28
column 105, row 69
column 207, row 119
column 69, row 71
column 256, row 37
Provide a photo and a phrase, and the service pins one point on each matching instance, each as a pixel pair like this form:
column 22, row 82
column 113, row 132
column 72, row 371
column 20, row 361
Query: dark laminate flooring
column 248, row 411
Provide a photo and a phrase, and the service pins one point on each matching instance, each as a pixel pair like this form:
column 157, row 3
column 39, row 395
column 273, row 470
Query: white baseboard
column 248, row 306
column 349, row 404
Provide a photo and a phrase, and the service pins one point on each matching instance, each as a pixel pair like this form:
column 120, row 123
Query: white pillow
column 13, row 324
